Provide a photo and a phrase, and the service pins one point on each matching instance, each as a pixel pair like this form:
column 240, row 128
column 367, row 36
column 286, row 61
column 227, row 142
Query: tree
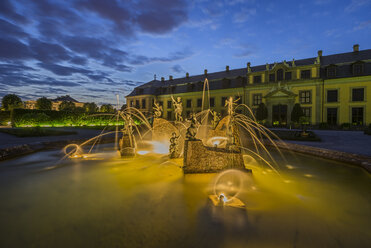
column 44, row 103
column 11, row 101
column 296, row 113
column 67, row 106
column 90, row 107
column 107, row 108
column 261, row 112
column 79, row 110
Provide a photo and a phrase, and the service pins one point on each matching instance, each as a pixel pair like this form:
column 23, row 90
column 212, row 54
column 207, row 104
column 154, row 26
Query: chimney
column 187, row 75
column 355, row 48
column 227, row 68
column 170, row 77
column 205, row 71
column 162, row 79
column 319, row 53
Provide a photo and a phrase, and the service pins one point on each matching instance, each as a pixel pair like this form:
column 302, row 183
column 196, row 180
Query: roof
column 155, row 87
column 64, row 98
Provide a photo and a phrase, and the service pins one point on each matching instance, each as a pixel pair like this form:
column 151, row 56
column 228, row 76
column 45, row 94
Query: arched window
column 279, row 75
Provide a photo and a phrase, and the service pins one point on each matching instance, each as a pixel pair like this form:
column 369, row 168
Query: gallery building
column 334, row 89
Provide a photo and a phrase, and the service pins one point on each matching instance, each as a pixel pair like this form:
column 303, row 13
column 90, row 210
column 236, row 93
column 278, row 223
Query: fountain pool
column 147, row 201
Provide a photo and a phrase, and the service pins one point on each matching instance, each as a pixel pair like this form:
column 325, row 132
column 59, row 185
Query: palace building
column 332, row 89
column 31, row 104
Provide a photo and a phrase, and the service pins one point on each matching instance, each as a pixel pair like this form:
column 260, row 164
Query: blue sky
column 95, row 49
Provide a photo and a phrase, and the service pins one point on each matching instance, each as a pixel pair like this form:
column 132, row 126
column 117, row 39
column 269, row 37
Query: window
column 332, row 116
column 169, row 115
column 357, row 116
column 331, row 71
column 305, row 96
column 288, row 75
column 223, row 101
column 256, row 99
column 168, row 104
column 163, row 90
column 272, row 77
column 131, row 103
column 189, row 103
column 357, row 69
column 161, row 103
column 279, row 75
column 305, row 74
column 137, row 104
column 257, row 79
column 332, row 96
column 307, row 112
column 199, row 102
column 143, row 103
column 212, row 102
column 358, row 95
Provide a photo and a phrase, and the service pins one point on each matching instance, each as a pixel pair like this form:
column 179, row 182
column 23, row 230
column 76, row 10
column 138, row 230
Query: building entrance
column 279, row 115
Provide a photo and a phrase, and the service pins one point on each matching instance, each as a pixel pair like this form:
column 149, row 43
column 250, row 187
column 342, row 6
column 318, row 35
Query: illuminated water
column 147, row 202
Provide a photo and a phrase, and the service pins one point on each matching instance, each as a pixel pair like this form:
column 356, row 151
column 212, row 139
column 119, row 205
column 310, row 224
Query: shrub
column 323, row 125
column 4, row 118
column 345, row 126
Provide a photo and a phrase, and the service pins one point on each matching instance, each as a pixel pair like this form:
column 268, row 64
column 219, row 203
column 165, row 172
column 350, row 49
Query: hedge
column 4, row 118
column 52, row 118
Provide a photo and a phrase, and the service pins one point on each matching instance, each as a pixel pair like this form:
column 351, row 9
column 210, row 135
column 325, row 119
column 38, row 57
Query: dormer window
column 257, row 79
column 272, row 77
column 172, row 89
column 279, row 75
column 358, row 69
column 191, row 87
column 331, row 71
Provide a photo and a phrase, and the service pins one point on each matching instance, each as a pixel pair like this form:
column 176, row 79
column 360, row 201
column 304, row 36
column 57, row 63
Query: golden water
column 148, row 202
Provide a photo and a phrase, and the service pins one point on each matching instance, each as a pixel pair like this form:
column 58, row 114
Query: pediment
column 281, row 92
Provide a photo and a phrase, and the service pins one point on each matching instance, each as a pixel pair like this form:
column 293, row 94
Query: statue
column 293, row 63
column 174, row 146
column 178, row 105
column 216, row 118
column 229, row 103
column 157, row 110
column 192, row 130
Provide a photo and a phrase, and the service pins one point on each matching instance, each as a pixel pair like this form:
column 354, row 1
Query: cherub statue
column 192, row 130
column 178, row 105
column 174, row 146
column 230, row 104
column 157, row 109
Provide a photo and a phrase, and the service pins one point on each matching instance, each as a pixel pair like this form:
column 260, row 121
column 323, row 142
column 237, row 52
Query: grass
column 295, row 135
column 35, row 132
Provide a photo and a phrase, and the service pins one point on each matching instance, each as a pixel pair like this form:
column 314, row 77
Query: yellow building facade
column 332, row 89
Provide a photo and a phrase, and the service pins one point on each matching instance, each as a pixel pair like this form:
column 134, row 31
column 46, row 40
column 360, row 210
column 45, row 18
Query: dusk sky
column 95, row 49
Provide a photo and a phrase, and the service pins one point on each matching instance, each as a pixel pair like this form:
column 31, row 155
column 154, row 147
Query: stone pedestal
column 127, row 146
column 203, row 159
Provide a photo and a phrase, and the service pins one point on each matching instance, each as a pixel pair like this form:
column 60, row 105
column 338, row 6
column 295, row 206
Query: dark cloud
column 141, row 60
column 177, row 69
column 48, row 52
column 11, row 30
column 63, row 70
column 11, row 48
column 7, row 10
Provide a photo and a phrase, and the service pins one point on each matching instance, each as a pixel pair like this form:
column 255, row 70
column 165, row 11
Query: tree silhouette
column 261, row 112
column 11, row 101
column 67, row 106
column 107, row 108
column 296, row 113
column 44, row 103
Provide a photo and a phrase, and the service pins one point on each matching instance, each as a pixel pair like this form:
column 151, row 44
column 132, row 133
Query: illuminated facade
column 31, row 104
column 333, row 89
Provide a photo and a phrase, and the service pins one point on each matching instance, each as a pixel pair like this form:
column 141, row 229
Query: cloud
column 11, row 48
column 243, row 15
column 177, row 69
column 363, row 25
column 7, row 10
column 356, row 5
column 11, row 30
